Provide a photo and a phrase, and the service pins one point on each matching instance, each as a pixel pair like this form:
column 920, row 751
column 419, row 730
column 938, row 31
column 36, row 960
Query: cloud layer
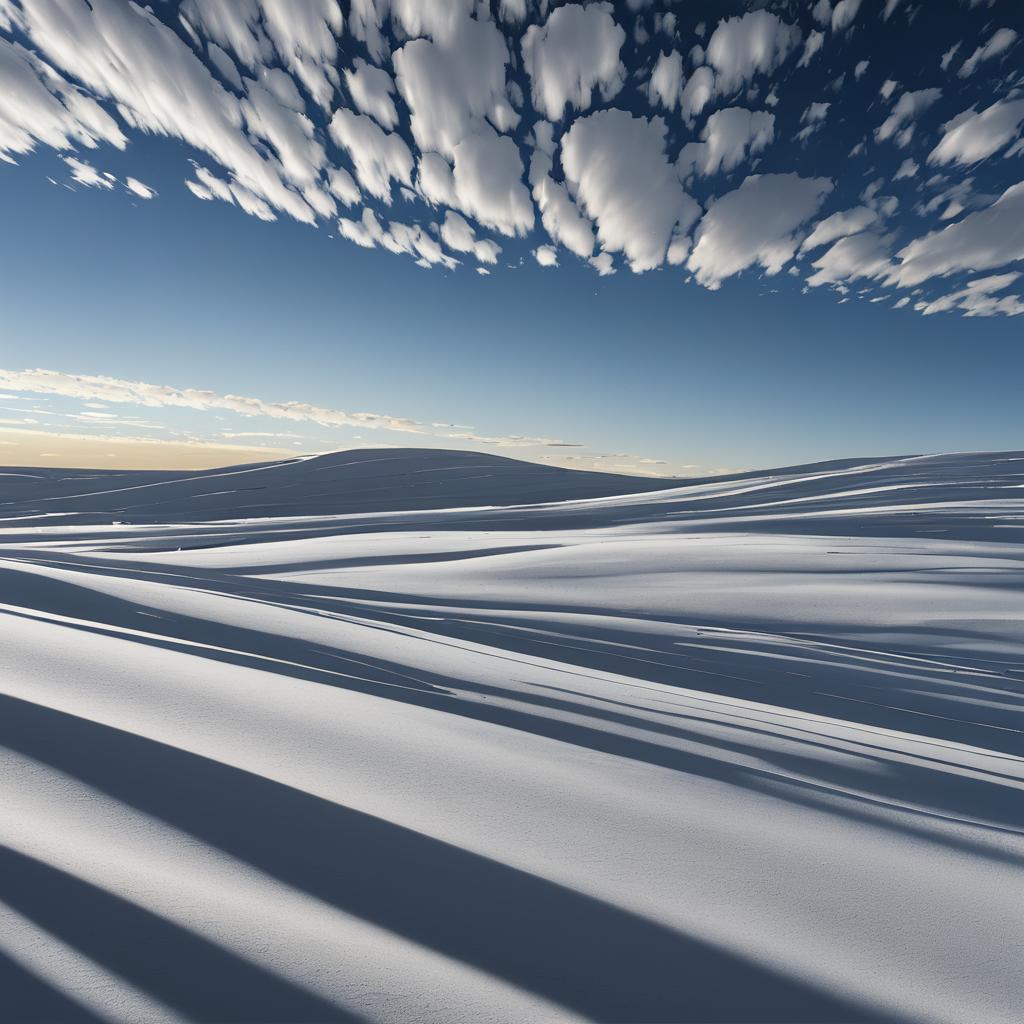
column 98, row 401
column 621, row 135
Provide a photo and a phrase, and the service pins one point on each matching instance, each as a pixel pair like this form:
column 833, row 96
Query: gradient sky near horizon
column 669, row 238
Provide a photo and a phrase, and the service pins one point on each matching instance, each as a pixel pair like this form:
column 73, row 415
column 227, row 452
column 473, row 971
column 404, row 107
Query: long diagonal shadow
column 479, row 621
column 26, row 999
column 915, row 791
column 184, row 971
column 580, row 952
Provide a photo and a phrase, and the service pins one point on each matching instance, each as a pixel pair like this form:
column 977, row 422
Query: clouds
column 39, row 106
column 234, row 25
column 666, row 82
column 560, row 215
column 573, row 53
column 371, row 90
column 139, row 393
column 397, row 237
column 987, row 239
column 983, row 240
column 755, row 224
column 838, row 225
column 86, row 174
column 1000, row 41
column 125, row 54
column 907, row 169
column 378, row 157
column 729, row 137
column 454, row 84
column 458, row 234
column 743, row 47
column 303, row 34
column 116, row 391
column 812, row 119
column 843, row 14
column 863, row 255
column 698, row 92
column 488, row 183
column 815, row 112
column 546, row 255
column 620, row 173
column 138, row 188
column 971, row 136
column 287, row 130
column 423, row 126
column 899, row 125
column 978, row 298
column 815, row 41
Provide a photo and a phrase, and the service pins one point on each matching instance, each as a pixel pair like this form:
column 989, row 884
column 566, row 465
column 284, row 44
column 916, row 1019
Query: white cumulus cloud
column 755, row 223
column 623, row 181
column 978, row 298
column 742, row 47
column 729, row 137
column 560, row 215
column 480, row 118
column 843, row 14
column 37, row 105
column 458, row 234
column 371, row 90
column 812, row 45
column 864, row 255
column 1000, row 41
column 983, row 240
column 546, row 256
column 454, row 84
column 971, row 136
column 698, row 92
column 666, row 84
column 899, row 125
column 838, row 225
column 575, row 51
column 488, row 183
column 379, row 157
column 907, row 169
column 126, row 54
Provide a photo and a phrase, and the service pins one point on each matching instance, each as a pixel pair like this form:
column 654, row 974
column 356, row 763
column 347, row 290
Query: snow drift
column 433, row 736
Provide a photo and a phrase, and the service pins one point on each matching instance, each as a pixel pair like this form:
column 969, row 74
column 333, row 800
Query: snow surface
column 353, row 737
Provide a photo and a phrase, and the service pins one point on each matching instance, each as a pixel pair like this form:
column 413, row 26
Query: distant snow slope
column 431, row 736
column 368, row 480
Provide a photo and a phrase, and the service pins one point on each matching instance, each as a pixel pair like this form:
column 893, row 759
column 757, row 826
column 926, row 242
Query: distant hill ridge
column 363, row 480
column 381, row 480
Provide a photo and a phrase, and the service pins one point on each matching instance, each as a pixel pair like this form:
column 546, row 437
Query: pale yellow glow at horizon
column 34, row 449
column 24, row 447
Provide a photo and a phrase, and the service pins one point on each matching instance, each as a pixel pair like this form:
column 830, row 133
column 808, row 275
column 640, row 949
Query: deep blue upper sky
column 721, row 354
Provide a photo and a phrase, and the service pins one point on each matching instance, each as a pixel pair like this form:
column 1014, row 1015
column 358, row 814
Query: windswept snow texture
column 281, row 743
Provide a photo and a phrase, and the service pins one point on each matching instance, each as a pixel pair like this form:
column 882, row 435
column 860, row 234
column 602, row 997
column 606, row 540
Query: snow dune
column 403, row 735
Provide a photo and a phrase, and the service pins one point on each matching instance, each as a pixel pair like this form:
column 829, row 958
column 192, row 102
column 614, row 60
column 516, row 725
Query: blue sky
column 715, row 343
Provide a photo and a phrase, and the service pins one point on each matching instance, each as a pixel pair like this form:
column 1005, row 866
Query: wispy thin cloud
column 101, row 392
column 140, row 393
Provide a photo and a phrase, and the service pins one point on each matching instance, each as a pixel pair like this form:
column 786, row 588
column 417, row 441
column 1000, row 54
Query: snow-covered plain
column 403, row 735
